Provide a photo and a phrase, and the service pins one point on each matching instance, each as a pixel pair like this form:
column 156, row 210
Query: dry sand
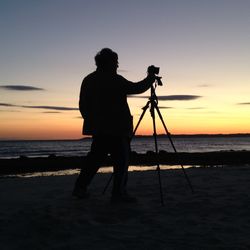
column 39, row 212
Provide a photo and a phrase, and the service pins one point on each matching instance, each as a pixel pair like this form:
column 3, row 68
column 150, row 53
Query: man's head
column 107, row 60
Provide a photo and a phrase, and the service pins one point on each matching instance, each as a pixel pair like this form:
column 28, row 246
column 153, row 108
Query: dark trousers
column 119, row 149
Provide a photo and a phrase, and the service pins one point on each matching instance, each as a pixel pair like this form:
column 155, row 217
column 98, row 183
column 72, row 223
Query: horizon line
column 159, row 135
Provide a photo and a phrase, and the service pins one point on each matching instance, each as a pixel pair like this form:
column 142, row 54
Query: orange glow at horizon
column 44, row 132
column 44, row 127
column 32, row 126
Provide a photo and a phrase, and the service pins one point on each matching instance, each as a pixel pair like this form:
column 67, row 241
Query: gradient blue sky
column 201, row 46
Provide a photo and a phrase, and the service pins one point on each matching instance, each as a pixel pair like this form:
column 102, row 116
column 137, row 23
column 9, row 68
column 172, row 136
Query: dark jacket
column 103, row 103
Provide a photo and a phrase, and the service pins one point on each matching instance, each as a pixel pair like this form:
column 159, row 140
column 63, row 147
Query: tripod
column 152, row 105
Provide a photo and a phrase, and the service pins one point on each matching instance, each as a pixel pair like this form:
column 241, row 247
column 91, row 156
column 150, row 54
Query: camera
column 154, row 70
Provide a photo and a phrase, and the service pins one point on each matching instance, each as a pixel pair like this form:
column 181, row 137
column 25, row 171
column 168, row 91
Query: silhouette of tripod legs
column 153, row 105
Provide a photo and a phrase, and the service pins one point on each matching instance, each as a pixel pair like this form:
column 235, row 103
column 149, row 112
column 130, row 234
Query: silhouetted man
column 104, row 108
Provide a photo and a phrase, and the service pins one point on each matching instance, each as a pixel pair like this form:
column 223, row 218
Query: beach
column 40, row 213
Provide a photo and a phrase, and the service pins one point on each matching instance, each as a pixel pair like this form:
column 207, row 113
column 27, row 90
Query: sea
column 139, row 144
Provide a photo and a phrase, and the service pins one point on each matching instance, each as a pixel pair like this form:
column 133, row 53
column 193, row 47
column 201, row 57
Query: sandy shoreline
column 39, row 213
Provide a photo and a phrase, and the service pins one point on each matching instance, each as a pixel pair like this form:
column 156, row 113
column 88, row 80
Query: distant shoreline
column 141, row 136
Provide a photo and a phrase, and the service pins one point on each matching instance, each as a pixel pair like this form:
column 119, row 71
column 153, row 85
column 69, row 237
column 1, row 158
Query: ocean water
column 14, row 149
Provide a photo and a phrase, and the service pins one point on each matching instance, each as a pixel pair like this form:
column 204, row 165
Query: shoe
column 80, row 194
column 124, row 198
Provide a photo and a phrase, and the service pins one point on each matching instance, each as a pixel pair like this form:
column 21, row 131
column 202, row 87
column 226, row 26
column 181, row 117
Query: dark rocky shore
column 54, row 163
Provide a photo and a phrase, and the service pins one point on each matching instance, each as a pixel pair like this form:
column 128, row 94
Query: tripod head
column 158, row 80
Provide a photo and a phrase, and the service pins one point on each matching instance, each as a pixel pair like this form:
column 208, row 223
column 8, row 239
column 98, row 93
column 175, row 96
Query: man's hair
column 106, row 58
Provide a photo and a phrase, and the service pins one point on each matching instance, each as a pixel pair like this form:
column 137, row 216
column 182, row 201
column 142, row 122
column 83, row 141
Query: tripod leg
column 156, row 151
column 136, row 127
column 171, row 141
column 140, row 119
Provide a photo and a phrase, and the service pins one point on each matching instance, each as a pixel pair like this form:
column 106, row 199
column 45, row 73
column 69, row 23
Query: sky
column 202, row 48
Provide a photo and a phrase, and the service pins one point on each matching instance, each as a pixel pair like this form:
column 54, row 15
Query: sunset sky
column 201, row 46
